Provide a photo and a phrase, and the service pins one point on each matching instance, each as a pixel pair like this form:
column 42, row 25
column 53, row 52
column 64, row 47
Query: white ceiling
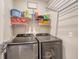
column 59, row 5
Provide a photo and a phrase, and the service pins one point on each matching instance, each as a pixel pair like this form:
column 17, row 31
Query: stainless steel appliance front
column 24, row 46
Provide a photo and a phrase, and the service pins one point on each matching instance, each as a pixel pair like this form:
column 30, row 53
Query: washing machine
column 50, row 47
column 24, row 46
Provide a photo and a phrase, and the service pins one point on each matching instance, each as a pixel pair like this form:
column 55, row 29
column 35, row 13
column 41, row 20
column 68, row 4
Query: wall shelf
column 19, row 20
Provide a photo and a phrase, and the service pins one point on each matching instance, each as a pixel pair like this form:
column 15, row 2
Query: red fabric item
column 18, row 20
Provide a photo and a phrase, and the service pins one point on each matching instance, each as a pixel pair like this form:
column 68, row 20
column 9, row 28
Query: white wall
column 7, row 21
column 1, row 22
column 22, row 5
column 53, row 17
column 5, row 29
column 67, row 31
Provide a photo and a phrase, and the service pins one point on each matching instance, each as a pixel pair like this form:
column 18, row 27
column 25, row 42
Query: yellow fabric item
column 26, row 13
column 44, row 22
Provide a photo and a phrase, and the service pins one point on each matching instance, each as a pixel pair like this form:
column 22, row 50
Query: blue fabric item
column 15, row 12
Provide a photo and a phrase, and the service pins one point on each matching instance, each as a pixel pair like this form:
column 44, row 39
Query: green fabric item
column 46, row 17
